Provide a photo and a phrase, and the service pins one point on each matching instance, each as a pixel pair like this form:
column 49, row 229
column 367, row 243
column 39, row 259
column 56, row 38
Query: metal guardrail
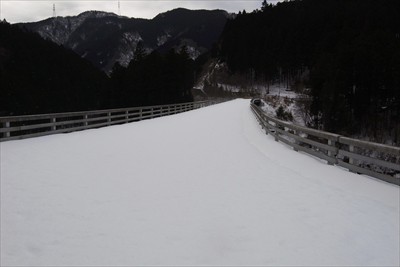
column 21, row 127
column 373, row 159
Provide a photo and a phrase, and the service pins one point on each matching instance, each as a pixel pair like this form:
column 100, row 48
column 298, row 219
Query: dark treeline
column 351, row 49
column 153, row 79
column 38, row 76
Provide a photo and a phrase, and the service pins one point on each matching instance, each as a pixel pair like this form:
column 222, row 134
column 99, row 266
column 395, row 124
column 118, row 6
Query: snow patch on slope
column 61, row 28
column 127, row 47
column 163, row 38
column 276, row 96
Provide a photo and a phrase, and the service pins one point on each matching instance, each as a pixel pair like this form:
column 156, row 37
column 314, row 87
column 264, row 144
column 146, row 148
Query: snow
column 205, row 76
column 292, row 102
column 61, row 28
column 162, row 39
column 205, row 187
column 278, row 89
column 126, row 49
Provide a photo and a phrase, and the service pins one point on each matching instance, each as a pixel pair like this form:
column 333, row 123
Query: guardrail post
column 6, row 125
column 351, row 149
column 296, row 142
column 332, row 143
column 108, row 118
column 126, row 116
column 85, row 117
column 140, row 114
column 53, row 121
column 352, row 161
column 264, row 123
column 276, row 132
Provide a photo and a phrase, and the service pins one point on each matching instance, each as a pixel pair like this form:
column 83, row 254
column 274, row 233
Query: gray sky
column 34, row 10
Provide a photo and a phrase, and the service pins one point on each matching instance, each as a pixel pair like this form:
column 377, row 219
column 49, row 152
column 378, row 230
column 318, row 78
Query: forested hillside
column 349, row 51
column 39, row 76
column 154, row 79
column 106, row 38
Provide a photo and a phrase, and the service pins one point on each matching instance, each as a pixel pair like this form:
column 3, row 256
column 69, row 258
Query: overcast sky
column 34, row 10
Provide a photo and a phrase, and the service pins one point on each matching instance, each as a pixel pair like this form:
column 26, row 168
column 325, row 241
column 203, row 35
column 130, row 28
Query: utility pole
column 54, row 10
column 119, row 8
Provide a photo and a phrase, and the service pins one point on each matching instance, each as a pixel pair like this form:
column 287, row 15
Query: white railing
column 373, row 159
column 21, row 127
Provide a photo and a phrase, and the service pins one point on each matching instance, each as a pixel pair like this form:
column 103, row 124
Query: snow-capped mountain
column 105, row 38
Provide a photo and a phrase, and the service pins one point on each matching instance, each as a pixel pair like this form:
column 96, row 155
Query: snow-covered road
column 206, row 187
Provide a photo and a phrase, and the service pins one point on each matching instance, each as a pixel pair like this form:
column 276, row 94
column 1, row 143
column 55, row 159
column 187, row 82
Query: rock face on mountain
column 106, row 38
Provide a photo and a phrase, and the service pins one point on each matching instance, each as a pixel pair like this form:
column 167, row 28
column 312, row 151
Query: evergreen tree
column 38, row 76
column 351, row 48
column 140, row 52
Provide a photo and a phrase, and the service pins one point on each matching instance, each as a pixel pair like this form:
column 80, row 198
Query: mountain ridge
column 105, row 38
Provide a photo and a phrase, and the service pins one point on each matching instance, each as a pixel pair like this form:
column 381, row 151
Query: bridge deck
column 206, row 187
